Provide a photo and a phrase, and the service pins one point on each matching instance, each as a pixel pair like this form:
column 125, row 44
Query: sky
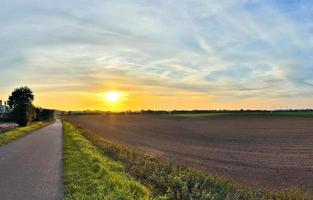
column 160, row 54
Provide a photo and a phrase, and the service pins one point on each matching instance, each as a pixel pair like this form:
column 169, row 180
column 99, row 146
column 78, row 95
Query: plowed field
column 260, row 151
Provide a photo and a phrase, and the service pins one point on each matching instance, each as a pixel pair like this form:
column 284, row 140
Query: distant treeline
column 174, row 112
column 42, row 114
column 76, row 113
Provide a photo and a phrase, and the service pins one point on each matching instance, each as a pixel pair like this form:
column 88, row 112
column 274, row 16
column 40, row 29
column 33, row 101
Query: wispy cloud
column 228, row 49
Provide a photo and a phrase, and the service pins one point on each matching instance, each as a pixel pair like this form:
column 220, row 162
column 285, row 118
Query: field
column 262, row 151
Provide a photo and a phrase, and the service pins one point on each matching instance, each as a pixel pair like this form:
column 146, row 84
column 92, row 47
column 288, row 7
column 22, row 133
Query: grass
column 294, row 113
column 9, row 136
column 252, row 113
column 171, row 181
column 197, row 114
column 88, row 174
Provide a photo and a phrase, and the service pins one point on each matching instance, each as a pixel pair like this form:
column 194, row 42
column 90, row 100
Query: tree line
column 23, row 112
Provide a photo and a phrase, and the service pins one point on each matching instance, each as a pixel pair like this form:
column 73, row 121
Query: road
column 31, row 167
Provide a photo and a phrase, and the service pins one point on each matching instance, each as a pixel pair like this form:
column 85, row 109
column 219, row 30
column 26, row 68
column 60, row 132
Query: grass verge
column 90, row 175
column 178, row 182
column 9, row 136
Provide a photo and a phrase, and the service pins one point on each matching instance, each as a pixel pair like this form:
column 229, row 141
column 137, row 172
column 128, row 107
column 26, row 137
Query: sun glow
column 113, row 96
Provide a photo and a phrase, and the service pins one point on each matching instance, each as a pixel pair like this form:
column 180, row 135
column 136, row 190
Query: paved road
column 31, row 167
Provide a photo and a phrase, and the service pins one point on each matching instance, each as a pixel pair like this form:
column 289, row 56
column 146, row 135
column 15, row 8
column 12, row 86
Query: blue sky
column 200, row 53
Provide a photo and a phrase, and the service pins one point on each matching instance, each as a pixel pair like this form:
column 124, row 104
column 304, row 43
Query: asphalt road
column 31, row 167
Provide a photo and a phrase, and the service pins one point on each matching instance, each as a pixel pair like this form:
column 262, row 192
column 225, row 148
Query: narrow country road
column 31, row 167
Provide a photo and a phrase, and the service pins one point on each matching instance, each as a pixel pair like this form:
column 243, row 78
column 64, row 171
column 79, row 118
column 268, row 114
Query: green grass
column 254, row 113
column 90, row 175
column 293, row 113
column 197, row 114
column 9, row 136
column 171, row 181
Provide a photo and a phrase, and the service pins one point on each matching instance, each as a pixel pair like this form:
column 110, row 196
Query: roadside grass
column 88, row 174
column 171, row 181
column 9, row 136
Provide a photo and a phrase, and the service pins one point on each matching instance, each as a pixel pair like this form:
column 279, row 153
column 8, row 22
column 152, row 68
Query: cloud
column 229, row 49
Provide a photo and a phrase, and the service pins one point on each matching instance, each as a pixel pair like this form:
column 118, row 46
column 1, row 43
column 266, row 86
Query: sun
column 113, row 96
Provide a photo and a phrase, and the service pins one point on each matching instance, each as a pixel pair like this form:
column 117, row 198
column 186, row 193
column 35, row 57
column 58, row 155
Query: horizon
column 162, row 55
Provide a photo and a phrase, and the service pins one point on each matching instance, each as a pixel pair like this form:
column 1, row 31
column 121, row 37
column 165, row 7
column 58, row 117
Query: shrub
column 22, row 114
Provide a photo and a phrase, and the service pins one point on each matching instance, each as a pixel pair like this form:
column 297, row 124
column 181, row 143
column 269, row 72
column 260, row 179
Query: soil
column 258, row 151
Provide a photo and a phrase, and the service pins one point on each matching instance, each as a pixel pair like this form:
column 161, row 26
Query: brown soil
column 260, row 151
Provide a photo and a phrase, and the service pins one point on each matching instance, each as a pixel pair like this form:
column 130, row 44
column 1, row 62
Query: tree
column 21, row 102
column 20, row 96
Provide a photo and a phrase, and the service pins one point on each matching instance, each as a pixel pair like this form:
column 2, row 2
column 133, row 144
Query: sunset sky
column 162, row 54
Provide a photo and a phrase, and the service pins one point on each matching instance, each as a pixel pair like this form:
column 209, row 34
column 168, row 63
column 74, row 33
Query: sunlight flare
column 113, row 96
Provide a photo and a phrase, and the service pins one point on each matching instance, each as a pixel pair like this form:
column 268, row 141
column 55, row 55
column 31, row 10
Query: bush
column 42, row 114
column 22, row 114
